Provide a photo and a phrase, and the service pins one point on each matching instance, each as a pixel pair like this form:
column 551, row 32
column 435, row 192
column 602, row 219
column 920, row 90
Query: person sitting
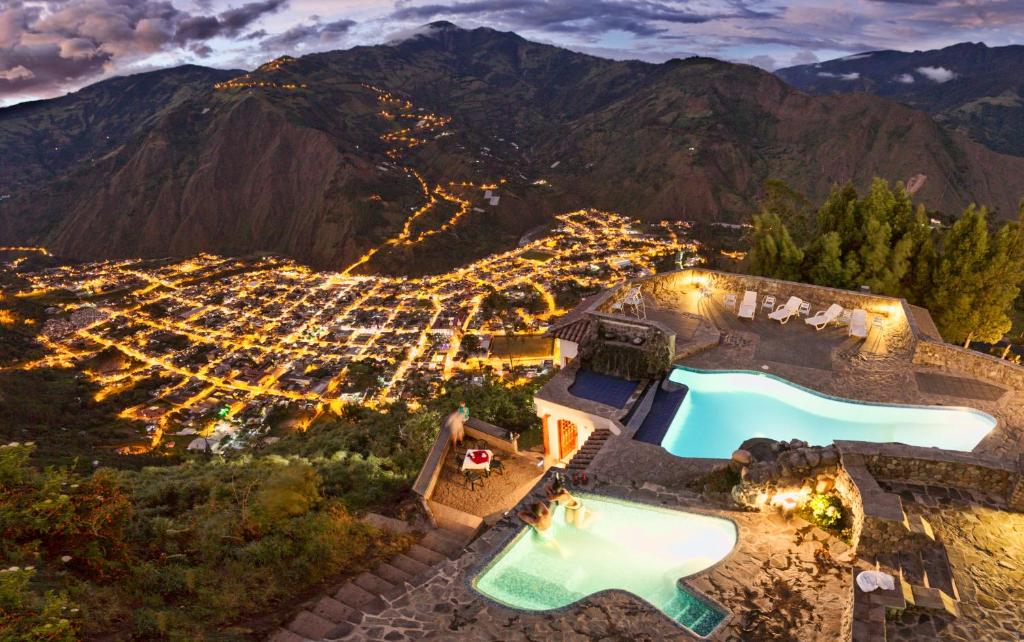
column 539, row 516
column 575, row 513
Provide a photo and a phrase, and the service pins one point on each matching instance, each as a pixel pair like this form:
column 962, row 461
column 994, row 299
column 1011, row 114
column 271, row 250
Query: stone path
column 986, row 551
column 940, row 384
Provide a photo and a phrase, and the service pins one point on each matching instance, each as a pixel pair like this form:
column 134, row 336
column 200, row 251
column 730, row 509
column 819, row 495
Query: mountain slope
column 290, row 157
column 49, row 137
column 970, row 87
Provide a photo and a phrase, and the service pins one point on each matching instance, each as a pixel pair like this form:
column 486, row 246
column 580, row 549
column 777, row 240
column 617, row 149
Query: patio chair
column 859, row 324
column 769, row 302
column 730, row 300
column 825, row 317
column 496, row 467
column 805, row 308
column 748, row 306
column 472, row 477
column 784, row 312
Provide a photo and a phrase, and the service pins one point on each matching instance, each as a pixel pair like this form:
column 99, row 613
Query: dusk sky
column 50, row 47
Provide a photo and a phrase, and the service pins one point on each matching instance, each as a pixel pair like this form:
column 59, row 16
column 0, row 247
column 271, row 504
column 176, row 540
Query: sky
column 51, row 47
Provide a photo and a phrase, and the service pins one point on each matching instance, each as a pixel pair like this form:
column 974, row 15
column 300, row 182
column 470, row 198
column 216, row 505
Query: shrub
column 825, row 510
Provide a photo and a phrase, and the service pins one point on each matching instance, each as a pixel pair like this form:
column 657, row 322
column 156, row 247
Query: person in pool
column 538, row 516
column 575, row 513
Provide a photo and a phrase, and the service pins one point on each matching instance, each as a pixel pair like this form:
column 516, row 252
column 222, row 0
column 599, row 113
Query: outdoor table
column 477, row 460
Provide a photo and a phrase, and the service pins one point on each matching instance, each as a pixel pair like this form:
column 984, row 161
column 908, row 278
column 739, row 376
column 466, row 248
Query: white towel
column 870, row 580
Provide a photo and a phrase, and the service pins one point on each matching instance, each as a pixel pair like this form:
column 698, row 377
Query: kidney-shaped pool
column 644, row 550
column 723, row 409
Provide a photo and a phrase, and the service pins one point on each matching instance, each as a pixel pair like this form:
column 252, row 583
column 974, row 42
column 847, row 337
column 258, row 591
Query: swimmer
column 575, row 513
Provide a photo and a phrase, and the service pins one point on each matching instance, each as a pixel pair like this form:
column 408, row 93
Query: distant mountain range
column 969, row 87
column 289, row 158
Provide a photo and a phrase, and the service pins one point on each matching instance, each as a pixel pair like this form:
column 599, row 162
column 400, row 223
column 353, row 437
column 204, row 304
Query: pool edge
column 498, row 549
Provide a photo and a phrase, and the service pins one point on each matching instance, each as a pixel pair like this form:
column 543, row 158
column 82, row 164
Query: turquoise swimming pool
column 723, row 409
column 641, row 549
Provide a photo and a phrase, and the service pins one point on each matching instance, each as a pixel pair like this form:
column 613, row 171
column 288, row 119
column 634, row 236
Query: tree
column 977, row 276
column 774, row 253
column 967, row 275
column 828, row 264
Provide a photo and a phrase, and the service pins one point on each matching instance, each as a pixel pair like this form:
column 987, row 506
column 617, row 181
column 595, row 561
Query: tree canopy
column 968, row 275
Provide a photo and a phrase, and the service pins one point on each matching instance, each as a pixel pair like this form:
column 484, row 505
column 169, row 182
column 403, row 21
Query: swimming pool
column 724, row 408
column 641, row 549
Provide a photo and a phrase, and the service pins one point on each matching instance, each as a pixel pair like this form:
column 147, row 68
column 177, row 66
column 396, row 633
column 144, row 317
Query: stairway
column 589, row 449
column 334, row 617
column 924, row 580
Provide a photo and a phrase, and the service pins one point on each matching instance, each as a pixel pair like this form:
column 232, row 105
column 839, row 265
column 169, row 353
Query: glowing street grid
column 233, row 338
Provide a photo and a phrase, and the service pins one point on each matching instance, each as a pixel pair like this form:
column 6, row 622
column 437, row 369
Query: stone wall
column 976, row 364
column 816, row 294
column 627, row 348
column 954, row 469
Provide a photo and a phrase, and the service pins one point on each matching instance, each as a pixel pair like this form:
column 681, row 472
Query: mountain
column 290, row 158
column 969, row 87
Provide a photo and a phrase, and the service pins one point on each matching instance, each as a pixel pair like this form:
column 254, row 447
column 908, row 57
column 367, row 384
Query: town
column 231, row 340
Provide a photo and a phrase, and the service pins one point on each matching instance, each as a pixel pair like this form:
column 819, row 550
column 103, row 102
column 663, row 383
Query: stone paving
column 940, row 384
column 786, row 580
column 985, row 546
column 782, row 582
column 891, row 377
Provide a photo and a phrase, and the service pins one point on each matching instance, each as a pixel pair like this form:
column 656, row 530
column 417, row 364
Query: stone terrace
column 781, row 582
column 786, row 579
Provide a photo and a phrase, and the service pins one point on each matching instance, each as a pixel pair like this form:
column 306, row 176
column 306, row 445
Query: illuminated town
column 233, row 338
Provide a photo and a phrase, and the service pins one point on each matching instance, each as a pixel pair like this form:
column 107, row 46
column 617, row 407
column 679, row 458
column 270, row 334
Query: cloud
column 763, row 61
column 906, row 79
column 19, row 72
column 304, row 35
column 938, row 74
column 593, row 17
column 853, row 75
column 805, row 57
column 49, row 45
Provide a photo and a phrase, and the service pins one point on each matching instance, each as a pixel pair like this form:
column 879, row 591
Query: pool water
column 641, row 549
column 723, row 409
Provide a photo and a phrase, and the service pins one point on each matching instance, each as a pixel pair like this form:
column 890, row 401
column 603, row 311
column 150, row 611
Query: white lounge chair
column 748, row 306
column 783, row 313
column 769, row 302
column 859, row 324
column 730, row 300
column 825, row 317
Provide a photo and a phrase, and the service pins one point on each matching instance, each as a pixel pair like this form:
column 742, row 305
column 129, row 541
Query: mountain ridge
column 969, row 87
column 291, row 157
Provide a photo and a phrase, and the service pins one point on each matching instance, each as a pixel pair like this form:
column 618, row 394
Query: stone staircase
column 924, row 580
column 334, row 617
column 581, row 460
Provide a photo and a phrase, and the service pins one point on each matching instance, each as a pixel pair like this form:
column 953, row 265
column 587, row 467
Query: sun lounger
column 825, row 317
column 783, row 313
column 749, row 305
column 859, row 324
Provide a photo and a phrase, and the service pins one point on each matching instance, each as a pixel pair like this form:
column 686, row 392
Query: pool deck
column 768, row 584
column 785, row 580
column 832, row 363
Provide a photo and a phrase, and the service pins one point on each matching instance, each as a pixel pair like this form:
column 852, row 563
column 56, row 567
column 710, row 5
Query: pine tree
column 828, row 262
column 774, row 253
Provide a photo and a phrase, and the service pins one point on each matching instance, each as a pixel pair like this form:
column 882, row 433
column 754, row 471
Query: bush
column 826, row 511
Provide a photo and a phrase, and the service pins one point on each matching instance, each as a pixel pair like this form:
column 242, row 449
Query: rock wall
column 630, row 349
column 816, row 294
column 954, row 469
column 976, row 364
